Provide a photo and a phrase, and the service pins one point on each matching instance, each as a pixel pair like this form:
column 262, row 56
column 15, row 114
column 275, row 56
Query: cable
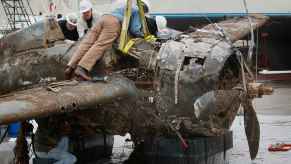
column 4, row 135
column 257, row 54
column 215, row 26
column 33, row 145
column 251, row 47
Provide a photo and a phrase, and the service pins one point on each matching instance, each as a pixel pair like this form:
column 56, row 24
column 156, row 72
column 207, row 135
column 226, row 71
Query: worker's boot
column 82, row 74
column 69, row 72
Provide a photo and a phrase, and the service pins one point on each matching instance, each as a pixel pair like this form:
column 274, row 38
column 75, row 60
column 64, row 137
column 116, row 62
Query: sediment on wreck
column 169, row 82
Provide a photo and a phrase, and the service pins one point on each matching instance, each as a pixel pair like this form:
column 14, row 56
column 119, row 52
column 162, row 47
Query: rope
column 250, row 52
column 251, row 47
column 243, row 66
column 4, row 135
column 257, row 55
column 33, row 145
column 243, row 73
column 242, row 63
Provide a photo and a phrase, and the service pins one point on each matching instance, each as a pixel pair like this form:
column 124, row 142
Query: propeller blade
column 218, row 107
column 252, row 128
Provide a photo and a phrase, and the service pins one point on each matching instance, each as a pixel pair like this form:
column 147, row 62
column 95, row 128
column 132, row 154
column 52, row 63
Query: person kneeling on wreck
column 69, row 27
column 100, row 38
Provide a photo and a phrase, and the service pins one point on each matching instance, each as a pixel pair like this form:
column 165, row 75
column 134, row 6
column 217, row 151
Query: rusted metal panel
column 184, row 70
column 20, row 60
column 38, row 35
column 205, row 53
column 32, row 67
column 40, row 102
column 26, row 58
column 235, row 29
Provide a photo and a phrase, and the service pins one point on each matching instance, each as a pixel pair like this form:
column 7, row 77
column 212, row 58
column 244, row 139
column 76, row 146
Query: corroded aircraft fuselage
column 193, row 84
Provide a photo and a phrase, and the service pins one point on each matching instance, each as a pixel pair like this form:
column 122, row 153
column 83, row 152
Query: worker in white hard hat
column 69, row 27
column 100, row 38
column 163, row 31
column 89, row 17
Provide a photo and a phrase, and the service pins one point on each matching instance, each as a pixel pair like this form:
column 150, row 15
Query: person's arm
column 62, row 24
column 81, row 29
column 75, row 35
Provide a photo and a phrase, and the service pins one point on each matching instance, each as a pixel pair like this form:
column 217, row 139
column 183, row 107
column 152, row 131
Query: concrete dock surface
column 274, row 114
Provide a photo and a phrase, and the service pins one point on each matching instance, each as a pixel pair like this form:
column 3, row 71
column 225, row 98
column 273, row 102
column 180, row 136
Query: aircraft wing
column 63, row 97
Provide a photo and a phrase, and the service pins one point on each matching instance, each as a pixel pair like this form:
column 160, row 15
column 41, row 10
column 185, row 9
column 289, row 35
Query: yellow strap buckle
column 128, row 46
column 150, row 38
column 125, row 46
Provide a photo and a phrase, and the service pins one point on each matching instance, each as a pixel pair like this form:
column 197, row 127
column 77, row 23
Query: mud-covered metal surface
column 26, row 57
column 39, row 35
column 235, row 28
column 205, row 65
column 185, row 86
column 31, row 67
column 66, row 97
column 201, row 56
column 199, row 73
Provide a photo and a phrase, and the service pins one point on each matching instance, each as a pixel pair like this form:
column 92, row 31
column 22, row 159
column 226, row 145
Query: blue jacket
column 135, row 28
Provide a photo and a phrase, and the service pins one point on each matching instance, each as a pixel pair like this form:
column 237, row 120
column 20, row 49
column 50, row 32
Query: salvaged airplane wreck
column 188, row 86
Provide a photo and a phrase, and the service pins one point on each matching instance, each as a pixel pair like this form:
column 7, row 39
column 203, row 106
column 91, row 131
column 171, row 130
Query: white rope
column 251, row 47
column 242, row 65
column 257, row 55
column 243, row 74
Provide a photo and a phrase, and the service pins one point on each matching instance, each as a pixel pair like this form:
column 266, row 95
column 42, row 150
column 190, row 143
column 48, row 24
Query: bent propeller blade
column 252, row 128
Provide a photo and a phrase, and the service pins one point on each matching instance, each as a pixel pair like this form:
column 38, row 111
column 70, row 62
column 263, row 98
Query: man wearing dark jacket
column 69, row 27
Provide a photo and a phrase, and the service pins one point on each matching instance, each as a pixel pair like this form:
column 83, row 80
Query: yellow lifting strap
column 143, row 21
column 125, row 24
column 124, row 44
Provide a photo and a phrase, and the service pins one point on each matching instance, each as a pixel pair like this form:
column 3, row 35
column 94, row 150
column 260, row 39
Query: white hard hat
column 161, row 22
column 72, row 19
column 85, row 5
column 147, row 3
